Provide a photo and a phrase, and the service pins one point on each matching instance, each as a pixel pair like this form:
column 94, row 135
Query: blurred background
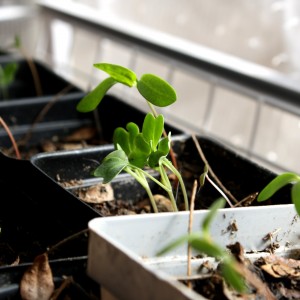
column 235, row 64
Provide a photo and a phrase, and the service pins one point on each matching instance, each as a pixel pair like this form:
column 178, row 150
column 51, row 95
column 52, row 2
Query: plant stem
column 140, row 177
column 211, row 171
column 189, row 256
column 166, row 182
column 11, row 137
column 169, row 165
column 219, row 190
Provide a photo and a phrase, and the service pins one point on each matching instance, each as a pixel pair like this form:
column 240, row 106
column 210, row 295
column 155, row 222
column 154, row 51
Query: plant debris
column 37, row 282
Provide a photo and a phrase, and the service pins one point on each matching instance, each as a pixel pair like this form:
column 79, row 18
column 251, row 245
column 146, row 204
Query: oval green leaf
column 295, row 193
column 92, row 99
column 277, row 183
column 112, row 165
column 156, row 90
column 152, row 129
column 119, row 73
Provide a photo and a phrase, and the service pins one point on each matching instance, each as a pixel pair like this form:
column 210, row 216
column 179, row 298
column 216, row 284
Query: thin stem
column 166, row 182
column 69, row 238
column 211, row 171
column 11, row 137
column 167, row 189
column 169, row 165
column 139, row 176
column 219, row 190
column 189, row 256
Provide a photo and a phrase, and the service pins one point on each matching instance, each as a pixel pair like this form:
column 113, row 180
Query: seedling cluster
column 134, row 149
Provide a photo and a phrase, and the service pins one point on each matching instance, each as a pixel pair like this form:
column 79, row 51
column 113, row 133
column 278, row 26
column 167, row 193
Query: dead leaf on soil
column 98, row 193
column 280, row 267
column 37, row 282
column 81, row 134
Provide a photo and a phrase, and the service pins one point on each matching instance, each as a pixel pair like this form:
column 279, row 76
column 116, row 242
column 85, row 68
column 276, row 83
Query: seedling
column 203, row 243
column 279, row 182
column 155, row 90
column 7, row 76
column 136, row 150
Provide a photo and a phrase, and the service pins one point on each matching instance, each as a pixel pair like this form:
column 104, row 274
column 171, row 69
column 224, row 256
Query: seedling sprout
column 136, row 150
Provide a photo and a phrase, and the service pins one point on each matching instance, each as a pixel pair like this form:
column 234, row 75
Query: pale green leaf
column 156, row 90
column 119, row 73
column 295, row 193
column 93, row 98
column 276, row 184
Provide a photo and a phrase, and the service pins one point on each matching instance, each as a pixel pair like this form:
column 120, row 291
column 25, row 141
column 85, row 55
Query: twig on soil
column 227, row 192
column 11, row 137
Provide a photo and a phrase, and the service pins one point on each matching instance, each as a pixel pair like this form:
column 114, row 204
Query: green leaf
column 152, row 129
column 203, row 245
column 18, row 43
column 232, row 276
column 198, row 243
column 133, row 143
column 121, row 138
column 162, row 151
column 295, row 194
column 119, row 73
column 211, row 214
column 7, row 73
column 93, row 99
column 156, row 90
column 133, row 131
column 178, row 242
column 140, row 152
column 203, row 176
column 111, row 166
column 276, row 184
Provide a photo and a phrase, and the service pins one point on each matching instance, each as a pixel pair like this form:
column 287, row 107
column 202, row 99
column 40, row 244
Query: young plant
column 7, row 76
column 155, row 90
column 136, row 150
column 279, row 182
column 203, row 243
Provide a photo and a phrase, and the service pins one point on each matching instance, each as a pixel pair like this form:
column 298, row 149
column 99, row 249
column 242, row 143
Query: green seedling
column 155, row 90
column 137, row 150
column 7, row 76
column 203, row 243
column 279, row 182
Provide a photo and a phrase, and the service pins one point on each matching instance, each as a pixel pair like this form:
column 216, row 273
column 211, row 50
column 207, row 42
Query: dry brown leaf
column 37, row 282
column 280, row 267
column 81, row 134
column 97, row 193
